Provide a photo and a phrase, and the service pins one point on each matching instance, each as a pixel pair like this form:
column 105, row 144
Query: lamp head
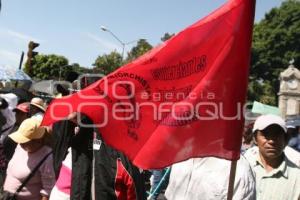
column 104, row 28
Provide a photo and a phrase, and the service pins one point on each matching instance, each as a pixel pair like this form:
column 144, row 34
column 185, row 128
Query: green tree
column 166, row 36
column 79, row 69
column 108, row 63
column 142, row 47
column 262, row 92
column 275, row 42
column 48, row 67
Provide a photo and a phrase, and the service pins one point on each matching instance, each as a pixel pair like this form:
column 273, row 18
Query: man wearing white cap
column 276, row 176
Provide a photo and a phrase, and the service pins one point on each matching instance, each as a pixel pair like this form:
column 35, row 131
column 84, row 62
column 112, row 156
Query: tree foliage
column 275, row 42
column 166, row 36
column 108, row 63
column 79, row 69
column 48, row 67
column 142, row 47
column 262, row 92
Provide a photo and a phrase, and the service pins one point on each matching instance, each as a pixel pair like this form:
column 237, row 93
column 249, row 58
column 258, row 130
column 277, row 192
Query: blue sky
column 72, row 27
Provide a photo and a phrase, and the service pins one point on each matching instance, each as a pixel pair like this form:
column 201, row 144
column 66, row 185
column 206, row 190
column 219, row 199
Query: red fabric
column 124, row 184
column 207, row 62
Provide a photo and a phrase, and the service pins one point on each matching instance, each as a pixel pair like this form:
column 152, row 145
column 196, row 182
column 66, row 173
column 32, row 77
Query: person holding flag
column 202, row 85
column 183, row 99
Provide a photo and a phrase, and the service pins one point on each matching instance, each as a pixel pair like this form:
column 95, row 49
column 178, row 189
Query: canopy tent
column 261, row 108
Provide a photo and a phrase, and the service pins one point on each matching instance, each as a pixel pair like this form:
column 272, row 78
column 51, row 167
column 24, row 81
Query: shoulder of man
column 251, row 155
column 292, row 155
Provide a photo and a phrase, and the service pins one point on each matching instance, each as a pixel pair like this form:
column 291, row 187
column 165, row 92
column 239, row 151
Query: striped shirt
column 282, row 183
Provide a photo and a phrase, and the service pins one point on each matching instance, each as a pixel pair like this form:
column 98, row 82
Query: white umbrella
column 20, row 75
column 49, row 86
column 4, row 75
column 13, row 74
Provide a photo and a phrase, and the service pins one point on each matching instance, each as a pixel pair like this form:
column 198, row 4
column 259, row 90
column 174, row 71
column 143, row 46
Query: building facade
column 289, row 92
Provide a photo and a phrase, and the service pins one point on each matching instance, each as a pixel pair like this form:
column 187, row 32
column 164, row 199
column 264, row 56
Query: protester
column 277, row 178
column 62, row 187
column 12, row 101
column 159, row 181
column 290, row 153
column 28, row 154
column 101, row 172
column 37, row 108
column 8, row 103
column 22, row 113
column 247, row 138
column 294, row 142
column 3, row 105
column 208, row 178
column 71, row 147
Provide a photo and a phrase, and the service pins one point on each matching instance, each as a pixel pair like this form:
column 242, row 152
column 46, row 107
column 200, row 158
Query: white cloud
column 104, row 43
column 18, row 35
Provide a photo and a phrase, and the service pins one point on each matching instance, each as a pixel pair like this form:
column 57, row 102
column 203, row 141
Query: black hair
column 3, row 103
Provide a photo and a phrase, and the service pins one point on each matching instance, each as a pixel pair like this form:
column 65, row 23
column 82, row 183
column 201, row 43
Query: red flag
column 183, row 99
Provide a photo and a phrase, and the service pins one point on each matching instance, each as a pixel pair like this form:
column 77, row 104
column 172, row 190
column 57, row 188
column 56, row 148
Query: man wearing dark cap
column 277, row 178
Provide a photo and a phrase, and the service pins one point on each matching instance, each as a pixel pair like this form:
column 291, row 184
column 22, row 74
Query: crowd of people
column 67, row 161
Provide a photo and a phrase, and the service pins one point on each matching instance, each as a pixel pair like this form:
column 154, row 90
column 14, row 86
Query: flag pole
column 231, row 179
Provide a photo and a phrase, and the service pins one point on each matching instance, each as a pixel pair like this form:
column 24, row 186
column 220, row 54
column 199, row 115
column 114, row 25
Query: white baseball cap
column 264, row 121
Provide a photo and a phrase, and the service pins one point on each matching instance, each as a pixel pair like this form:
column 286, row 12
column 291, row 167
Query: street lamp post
column 103, row 28
column 121, row 42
